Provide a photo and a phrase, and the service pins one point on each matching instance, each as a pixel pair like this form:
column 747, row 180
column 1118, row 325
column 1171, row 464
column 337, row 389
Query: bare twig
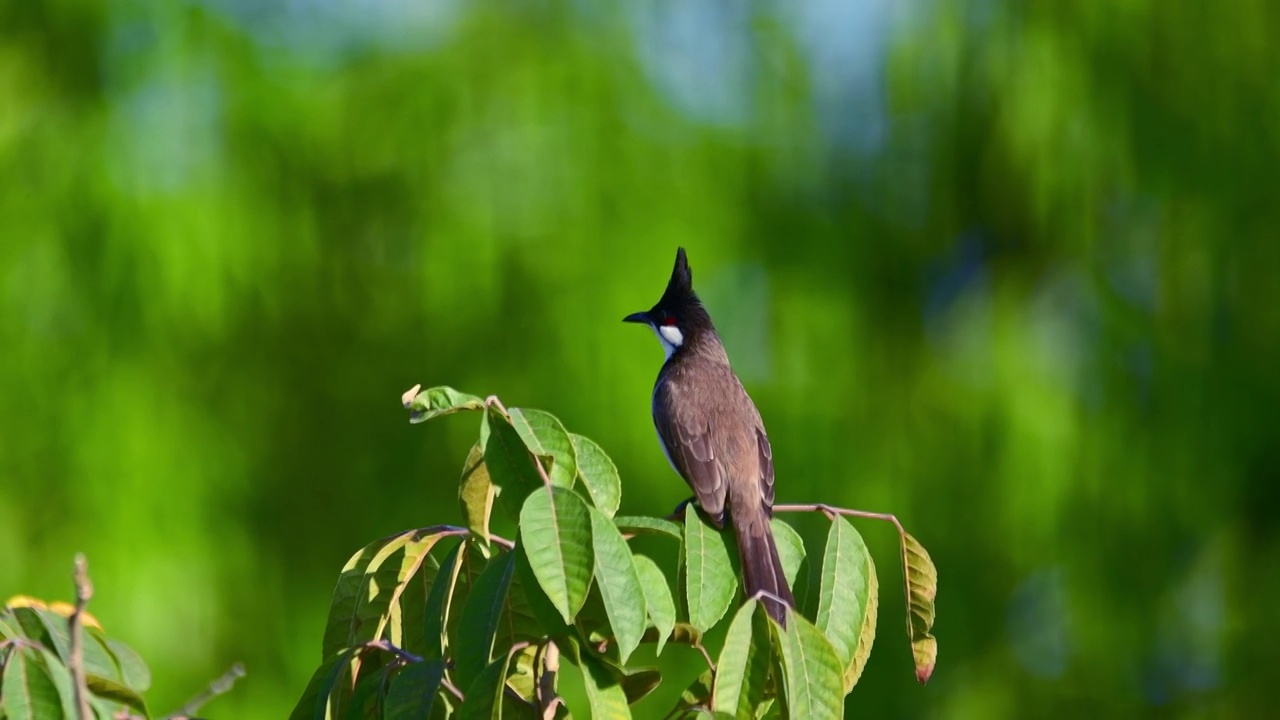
column 830, row 510
column 453, row 689
column 220, row 686
column 499, row 540
column 386, row 646
column 84, row 591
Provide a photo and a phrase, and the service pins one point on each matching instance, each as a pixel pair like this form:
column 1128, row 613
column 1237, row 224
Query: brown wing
column 686, row 435
column 766, row 469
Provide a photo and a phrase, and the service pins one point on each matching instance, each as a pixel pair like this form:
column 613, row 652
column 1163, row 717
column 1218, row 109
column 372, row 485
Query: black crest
column 680, row 286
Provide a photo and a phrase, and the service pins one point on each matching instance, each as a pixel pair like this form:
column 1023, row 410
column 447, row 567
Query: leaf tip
column 924, row 672
column 407, row 397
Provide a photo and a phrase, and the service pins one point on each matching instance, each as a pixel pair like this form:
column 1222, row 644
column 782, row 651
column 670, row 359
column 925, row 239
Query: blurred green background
column 1006, row 269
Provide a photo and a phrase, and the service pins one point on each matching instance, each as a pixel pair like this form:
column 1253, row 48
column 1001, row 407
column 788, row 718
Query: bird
column 713, row 436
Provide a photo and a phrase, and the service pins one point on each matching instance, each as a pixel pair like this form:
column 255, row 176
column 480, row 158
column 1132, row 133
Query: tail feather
column 761, row 565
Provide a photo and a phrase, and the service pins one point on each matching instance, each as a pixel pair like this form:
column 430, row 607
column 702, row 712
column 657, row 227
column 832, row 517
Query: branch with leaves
column 451, row 620
column 56, row 662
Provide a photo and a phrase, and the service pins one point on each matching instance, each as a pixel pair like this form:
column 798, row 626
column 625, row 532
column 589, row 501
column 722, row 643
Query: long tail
column 761, row 566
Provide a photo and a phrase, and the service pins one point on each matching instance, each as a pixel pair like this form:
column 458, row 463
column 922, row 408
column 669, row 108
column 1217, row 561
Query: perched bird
column 712, row 434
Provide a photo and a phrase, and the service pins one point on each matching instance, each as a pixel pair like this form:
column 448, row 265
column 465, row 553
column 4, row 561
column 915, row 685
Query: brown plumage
column 713, row 436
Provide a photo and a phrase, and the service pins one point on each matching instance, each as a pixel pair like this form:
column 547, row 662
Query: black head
column 678, row 316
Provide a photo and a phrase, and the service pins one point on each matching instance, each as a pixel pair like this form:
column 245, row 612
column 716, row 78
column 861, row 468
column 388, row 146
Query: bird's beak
column 640, row 317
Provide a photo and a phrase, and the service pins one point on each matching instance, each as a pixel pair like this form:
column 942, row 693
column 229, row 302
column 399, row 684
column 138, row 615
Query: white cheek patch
column 671, row 334
column 670, row 337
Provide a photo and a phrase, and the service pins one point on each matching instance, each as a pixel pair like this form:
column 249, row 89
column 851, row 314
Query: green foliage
column 36, row 680
column 478, row 630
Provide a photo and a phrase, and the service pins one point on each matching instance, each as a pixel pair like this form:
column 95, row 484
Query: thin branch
column 386, row 646
column 830, row 510
column 220, row 686
column 501, row 541
column 453, row 689
column 84, row 591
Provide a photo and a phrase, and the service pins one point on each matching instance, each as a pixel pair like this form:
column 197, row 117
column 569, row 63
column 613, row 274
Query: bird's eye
column 669, row 320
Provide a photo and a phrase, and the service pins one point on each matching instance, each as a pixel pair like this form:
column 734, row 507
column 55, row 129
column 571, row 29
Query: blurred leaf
column 27, row 691
column 545, row 436
column 476, row 494
column 557, row 529
column 682, row 633
column 790, row 549
column 812, row 673
column 640, row 525
column 847, row 598
column 521, row 675
column 742, row 670
column 922, row 588
column 657, row 598
column 480, row 616
column 53, row 632
column 598, row 473
column 438, row 401
column 60, row 674
column 133, row 669
column 510, row 466
column 615, row 572
column 111, row 690
column 710, row 583
column 412, row 692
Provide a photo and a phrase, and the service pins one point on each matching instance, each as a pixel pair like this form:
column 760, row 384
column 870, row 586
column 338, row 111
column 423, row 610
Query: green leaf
column 598, row 473
column 370, row 582
column 511, row 468
column 922, row 587
column 476, row 494
column 27, row 691
column 640, row 525
column 619, row 582
column 60, row 674
column 367, row 697
column 133, row 670
column 657, row 598
column 108, row 689
column 847, row 598
column 697, row 695
column 639, row 683
column 435, row 618
column 540, row 606
column 485, row 696
column 743, row 668
column 412, row 692
column 605, row 693
column 314, row 703
column 710, row 581
column 53, row 632
column 480, row 617
column 556, row 527
column 790, row 549
column 438, row 401
column 545, row 436
column 812, row 673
